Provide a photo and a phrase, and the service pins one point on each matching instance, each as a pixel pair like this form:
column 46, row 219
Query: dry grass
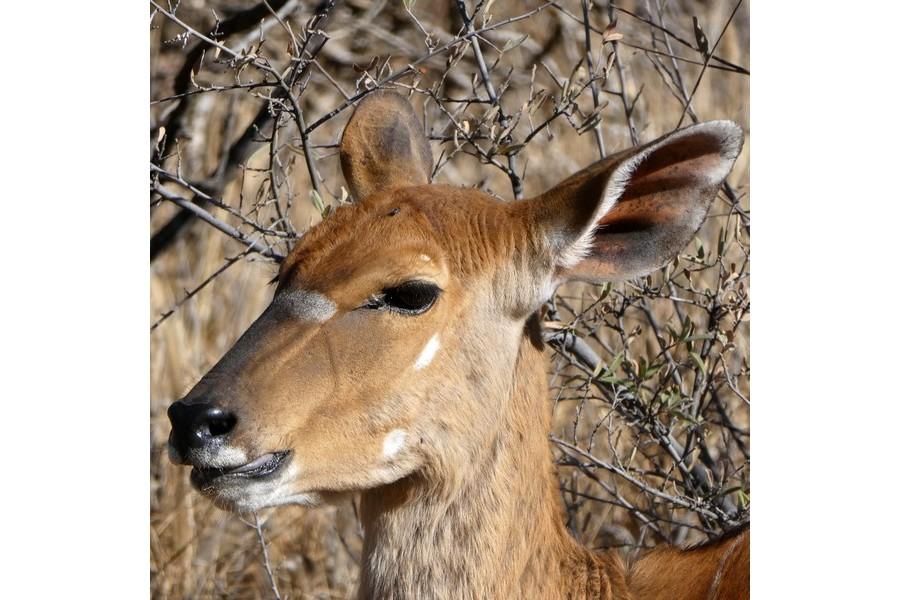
column 199, row 551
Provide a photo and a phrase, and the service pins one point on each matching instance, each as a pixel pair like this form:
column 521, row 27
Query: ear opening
column 384, row 146
column 631, row 213
column 573, row 253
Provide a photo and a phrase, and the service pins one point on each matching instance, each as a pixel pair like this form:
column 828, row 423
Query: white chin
column 253, row 499
column 257, row 495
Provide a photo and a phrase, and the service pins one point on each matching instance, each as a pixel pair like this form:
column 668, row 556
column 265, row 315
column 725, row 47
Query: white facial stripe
column 427, row 354
column 306, row 305
column 393, row 443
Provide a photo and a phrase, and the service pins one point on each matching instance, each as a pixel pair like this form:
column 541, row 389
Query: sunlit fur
column 465, row 502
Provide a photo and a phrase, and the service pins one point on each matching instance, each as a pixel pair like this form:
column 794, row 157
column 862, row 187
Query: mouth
column 262, row 467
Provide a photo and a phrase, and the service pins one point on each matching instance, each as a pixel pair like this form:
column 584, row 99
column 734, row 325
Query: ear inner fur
column 629, row 214
column 384, row 146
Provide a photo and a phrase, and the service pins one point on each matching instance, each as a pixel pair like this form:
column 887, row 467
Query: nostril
column 221, row 424
column 196, row 424
column 211, row 422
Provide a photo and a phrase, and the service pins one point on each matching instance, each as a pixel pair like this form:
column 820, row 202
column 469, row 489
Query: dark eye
column 410, row 298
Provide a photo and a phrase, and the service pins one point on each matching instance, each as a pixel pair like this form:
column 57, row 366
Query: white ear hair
column 615, row 187
column 732, row 141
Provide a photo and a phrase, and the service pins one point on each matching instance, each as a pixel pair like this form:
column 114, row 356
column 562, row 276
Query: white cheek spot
column 424, row 258
column 393, row 443
column 427, row 354
column 307, row 305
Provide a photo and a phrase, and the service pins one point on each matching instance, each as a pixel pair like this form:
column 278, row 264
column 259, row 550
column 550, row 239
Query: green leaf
column 699, row 362
column 317, row 202
column 605, row 289
column 616, row 362
column 683, row 416
column 509, row 148
column 700, row 336
column 514, row 43
column 606, row 373
column 652, row 370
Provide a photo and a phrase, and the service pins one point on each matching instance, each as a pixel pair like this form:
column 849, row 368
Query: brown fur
column 383, row 150
column 466, row 504
column 718, row 570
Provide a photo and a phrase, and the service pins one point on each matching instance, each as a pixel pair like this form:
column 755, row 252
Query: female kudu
column 401, row 358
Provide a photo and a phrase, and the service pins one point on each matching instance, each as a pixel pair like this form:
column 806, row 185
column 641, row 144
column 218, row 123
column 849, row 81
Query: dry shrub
column 650, row 378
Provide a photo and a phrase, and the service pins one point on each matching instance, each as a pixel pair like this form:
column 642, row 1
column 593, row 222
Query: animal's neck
column 493, row 529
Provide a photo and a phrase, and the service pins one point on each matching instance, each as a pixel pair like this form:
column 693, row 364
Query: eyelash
column 410, row 298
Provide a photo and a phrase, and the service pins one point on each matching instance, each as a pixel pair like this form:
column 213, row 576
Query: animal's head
column 396, row 322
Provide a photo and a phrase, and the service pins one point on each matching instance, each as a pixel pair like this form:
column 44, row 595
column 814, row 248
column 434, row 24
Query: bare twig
column 265, row 556
column 706, row 63
column 220, row 225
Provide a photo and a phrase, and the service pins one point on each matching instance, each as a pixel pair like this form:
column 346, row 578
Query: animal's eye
column 410, row 298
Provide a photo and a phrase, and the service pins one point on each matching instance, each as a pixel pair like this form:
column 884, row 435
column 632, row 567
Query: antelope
column 401, row 359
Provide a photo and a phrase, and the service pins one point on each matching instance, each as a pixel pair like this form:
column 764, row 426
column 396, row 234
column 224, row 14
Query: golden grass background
column 198, row 551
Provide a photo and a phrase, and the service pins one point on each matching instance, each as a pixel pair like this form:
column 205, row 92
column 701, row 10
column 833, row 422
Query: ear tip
column 375, row 106
column 729, row 134
column 383, row 97
column 384, row 145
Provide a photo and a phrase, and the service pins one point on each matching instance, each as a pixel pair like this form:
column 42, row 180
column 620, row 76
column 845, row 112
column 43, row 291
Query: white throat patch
column 393, row 443
column 427, row 354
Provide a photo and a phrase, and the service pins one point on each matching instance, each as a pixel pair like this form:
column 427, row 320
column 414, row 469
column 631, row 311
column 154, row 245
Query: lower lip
column 205, row 477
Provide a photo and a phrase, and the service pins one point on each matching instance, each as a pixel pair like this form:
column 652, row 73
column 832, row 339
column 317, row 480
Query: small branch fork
column 514, row 179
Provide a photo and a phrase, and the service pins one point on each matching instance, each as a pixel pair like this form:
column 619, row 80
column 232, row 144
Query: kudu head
column 390, row 343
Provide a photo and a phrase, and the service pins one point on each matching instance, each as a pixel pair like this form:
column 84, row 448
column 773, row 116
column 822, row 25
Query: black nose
column 197, row 424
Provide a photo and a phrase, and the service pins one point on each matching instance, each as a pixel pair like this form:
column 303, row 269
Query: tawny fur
column 718, row 570
column 489, row 525
column 450, row 452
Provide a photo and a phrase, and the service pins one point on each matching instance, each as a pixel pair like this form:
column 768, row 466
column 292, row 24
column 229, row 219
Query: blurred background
column 649, row 378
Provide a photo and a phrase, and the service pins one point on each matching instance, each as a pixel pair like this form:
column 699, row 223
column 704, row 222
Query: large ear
column 632, row 212
column 384, row 146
